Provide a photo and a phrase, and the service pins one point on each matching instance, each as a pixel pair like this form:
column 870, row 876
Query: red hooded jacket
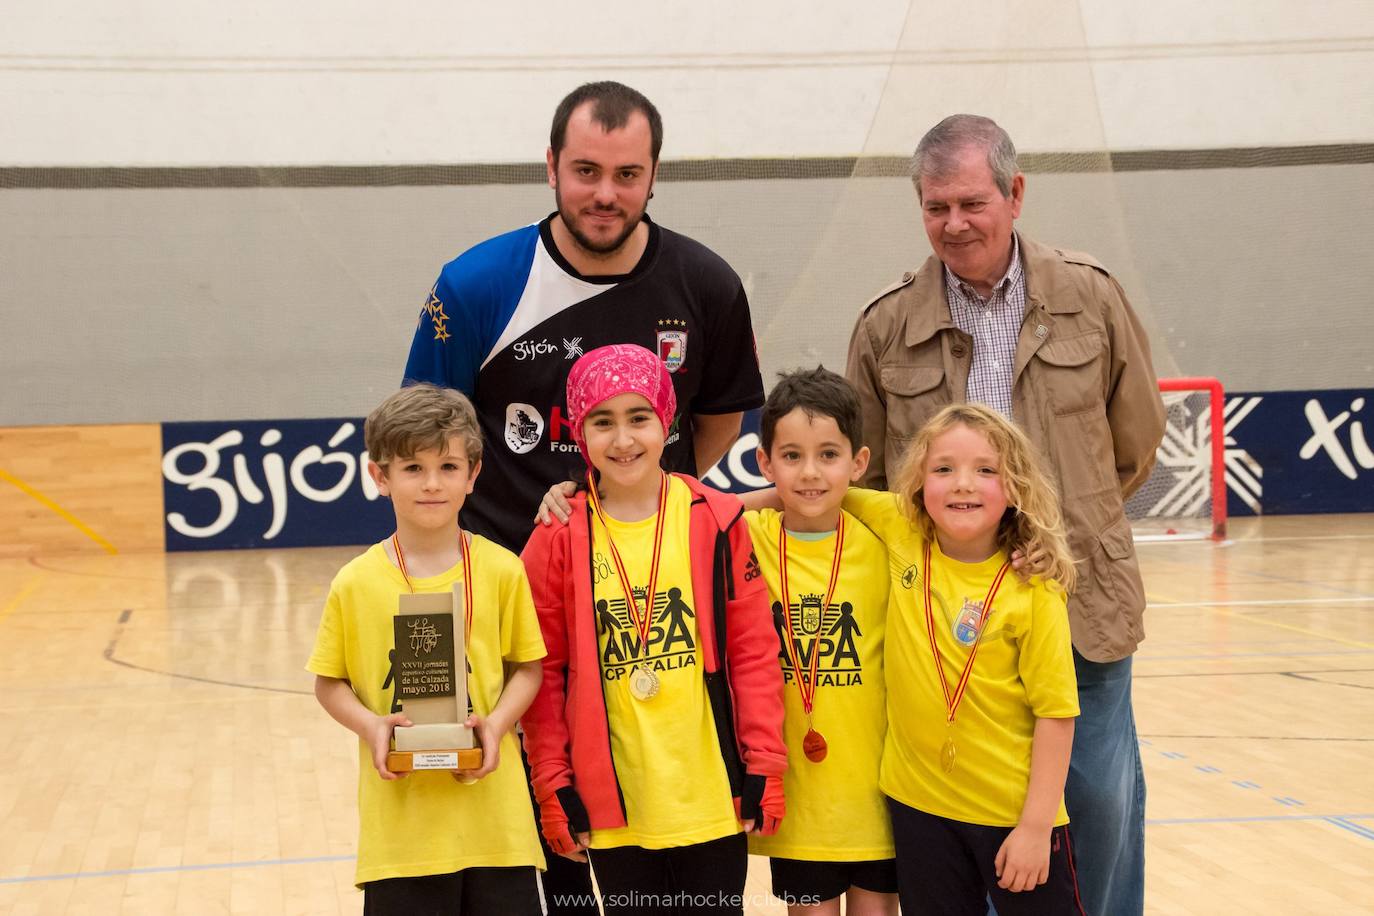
column 567, row 731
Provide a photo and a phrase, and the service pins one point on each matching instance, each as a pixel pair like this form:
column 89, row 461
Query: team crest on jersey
column 524, row 427
column 672, row 349
column 810, row 614
column 966, row 624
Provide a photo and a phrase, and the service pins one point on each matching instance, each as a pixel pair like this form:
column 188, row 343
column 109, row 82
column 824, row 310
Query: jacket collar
column 927, row 308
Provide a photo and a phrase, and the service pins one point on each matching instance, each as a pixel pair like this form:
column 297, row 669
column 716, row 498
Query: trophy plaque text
column 430, row 670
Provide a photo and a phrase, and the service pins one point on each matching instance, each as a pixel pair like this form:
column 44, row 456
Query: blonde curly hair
column 1032, row 523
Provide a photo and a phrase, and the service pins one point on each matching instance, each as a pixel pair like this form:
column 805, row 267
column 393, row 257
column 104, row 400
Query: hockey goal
column 1185, row 495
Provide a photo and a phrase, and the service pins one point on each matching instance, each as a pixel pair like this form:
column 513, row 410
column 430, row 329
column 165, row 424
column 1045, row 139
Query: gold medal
column 643, row 683
column 947, row 752
column 814, row 746
column 956, row 696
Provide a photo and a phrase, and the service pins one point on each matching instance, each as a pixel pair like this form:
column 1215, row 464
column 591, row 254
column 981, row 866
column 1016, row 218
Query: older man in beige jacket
column 1047, row 337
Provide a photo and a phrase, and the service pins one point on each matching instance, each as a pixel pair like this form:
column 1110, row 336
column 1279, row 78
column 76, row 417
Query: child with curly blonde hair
column 981, row 692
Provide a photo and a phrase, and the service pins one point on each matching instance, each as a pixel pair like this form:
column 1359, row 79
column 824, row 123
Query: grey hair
column 937, row 152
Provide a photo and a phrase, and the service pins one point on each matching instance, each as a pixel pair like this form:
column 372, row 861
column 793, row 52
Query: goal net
column 1185, row 495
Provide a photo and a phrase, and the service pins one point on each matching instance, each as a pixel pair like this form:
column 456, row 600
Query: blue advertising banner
column 295, row 483
column 279, row 483
column 1299, row 452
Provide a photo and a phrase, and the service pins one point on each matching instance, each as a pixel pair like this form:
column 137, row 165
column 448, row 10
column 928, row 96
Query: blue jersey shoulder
column 467, row 309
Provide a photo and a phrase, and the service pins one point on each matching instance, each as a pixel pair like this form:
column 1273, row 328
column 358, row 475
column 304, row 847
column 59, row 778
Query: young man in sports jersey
column 507, row 318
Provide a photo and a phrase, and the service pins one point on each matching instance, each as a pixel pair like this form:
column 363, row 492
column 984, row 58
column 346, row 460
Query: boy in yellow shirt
column 434, row 841
column 827, row 579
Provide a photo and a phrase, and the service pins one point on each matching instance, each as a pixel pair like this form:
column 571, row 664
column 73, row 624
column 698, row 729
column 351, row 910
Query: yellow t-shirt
column 428, row 823
column 666, row 754
column 1024, row 671
column 835, row 811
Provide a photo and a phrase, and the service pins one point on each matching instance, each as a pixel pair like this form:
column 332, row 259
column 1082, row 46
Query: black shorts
column 803, row 881
column 470, row 892
column 946, row 868
column 681, row 881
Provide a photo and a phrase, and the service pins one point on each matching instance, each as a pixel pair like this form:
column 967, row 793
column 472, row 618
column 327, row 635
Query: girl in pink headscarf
column 656, row 739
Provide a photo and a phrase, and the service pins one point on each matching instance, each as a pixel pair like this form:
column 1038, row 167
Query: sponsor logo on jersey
column 573, row 348
column 524, row 427
column 672, row 349
column 533, row 349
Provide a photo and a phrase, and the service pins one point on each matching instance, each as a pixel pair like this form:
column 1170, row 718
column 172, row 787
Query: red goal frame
column 1218, row 424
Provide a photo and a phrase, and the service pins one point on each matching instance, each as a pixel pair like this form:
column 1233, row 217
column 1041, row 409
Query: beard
column 589, row 244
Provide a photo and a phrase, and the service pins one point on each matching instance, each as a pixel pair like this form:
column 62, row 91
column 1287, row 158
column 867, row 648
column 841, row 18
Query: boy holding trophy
column 438, row 833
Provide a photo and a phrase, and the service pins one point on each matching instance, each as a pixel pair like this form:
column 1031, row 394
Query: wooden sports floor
column 161, row 751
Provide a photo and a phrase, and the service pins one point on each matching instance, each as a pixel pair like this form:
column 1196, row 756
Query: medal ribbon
column 806, row 682
column 645, row 622
column 467, row 580
column 952, row 700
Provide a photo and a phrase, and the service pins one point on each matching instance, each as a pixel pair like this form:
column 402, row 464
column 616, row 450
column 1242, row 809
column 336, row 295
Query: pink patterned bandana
column 618, row 369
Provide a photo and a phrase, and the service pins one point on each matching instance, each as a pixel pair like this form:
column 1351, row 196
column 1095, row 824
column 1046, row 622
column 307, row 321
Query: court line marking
column 1295, row 629
column 162, row 869
column 1255, row 737
column 75, row 522
column 1228, row 655
column 1259, row 818
column 1303, row 537
column 1335, row 819
column 1346, row 823
column 1263, row 602
column 29, row 588
column 119, row 633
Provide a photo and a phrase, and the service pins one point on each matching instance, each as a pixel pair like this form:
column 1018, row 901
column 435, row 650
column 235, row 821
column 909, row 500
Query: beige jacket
column 1083, row 390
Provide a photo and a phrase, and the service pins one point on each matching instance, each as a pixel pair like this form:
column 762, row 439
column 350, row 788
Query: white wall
column 194, row 82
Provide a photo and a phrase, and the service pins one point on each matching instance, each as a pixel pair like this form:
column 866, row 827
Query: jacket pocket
column 909, row 381
column 914, row 394
column 1072, row 372
column 1109, row 590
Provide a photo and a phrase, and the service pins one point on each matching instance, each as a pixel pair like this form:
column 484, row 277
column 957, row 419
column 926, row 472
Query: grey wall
column 142, row 305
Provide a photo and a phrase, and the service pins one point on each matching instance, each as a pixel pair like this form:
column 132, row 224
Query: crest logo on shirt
column 524, row 427
column 829, row 634
column 909, row 576
column 811, row 614
column 966, row 624
column 573, row 348
column 672, row 345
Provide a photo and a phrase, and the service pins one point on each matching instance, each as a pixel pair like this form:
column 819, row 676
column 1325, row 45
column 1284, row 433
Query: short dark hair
column 612, row 105
column 820, row 393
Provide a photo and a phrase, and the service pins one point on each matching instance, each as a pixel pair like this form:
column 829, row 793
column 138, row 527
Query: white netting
column 1178, row 498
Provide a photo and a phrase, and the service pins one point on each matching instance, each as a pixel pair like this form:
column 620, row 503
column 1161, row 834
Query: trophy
column 430, row 671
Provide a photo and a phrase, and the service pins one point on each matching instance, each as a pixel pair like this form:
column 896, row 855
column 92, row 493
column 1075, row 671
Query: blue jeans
column 1105, row 792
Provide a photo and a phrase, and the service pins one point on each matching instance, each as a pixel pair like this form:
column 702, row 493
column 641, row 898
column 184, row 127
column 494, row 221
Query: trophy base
column 468, row 758
column 424, row 737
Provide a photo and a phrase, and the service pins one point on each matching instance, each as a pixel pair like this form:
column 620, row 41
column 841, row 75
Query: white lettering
column 313, row 454
column 745, row 445
column 204, row 479
column 275, row 474
column 1324, row 438
column 531, row 349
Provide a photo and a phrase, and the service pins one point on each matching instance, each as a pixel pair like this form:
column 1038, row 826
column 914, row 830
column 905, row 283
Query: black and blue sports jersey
column 508, row 317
